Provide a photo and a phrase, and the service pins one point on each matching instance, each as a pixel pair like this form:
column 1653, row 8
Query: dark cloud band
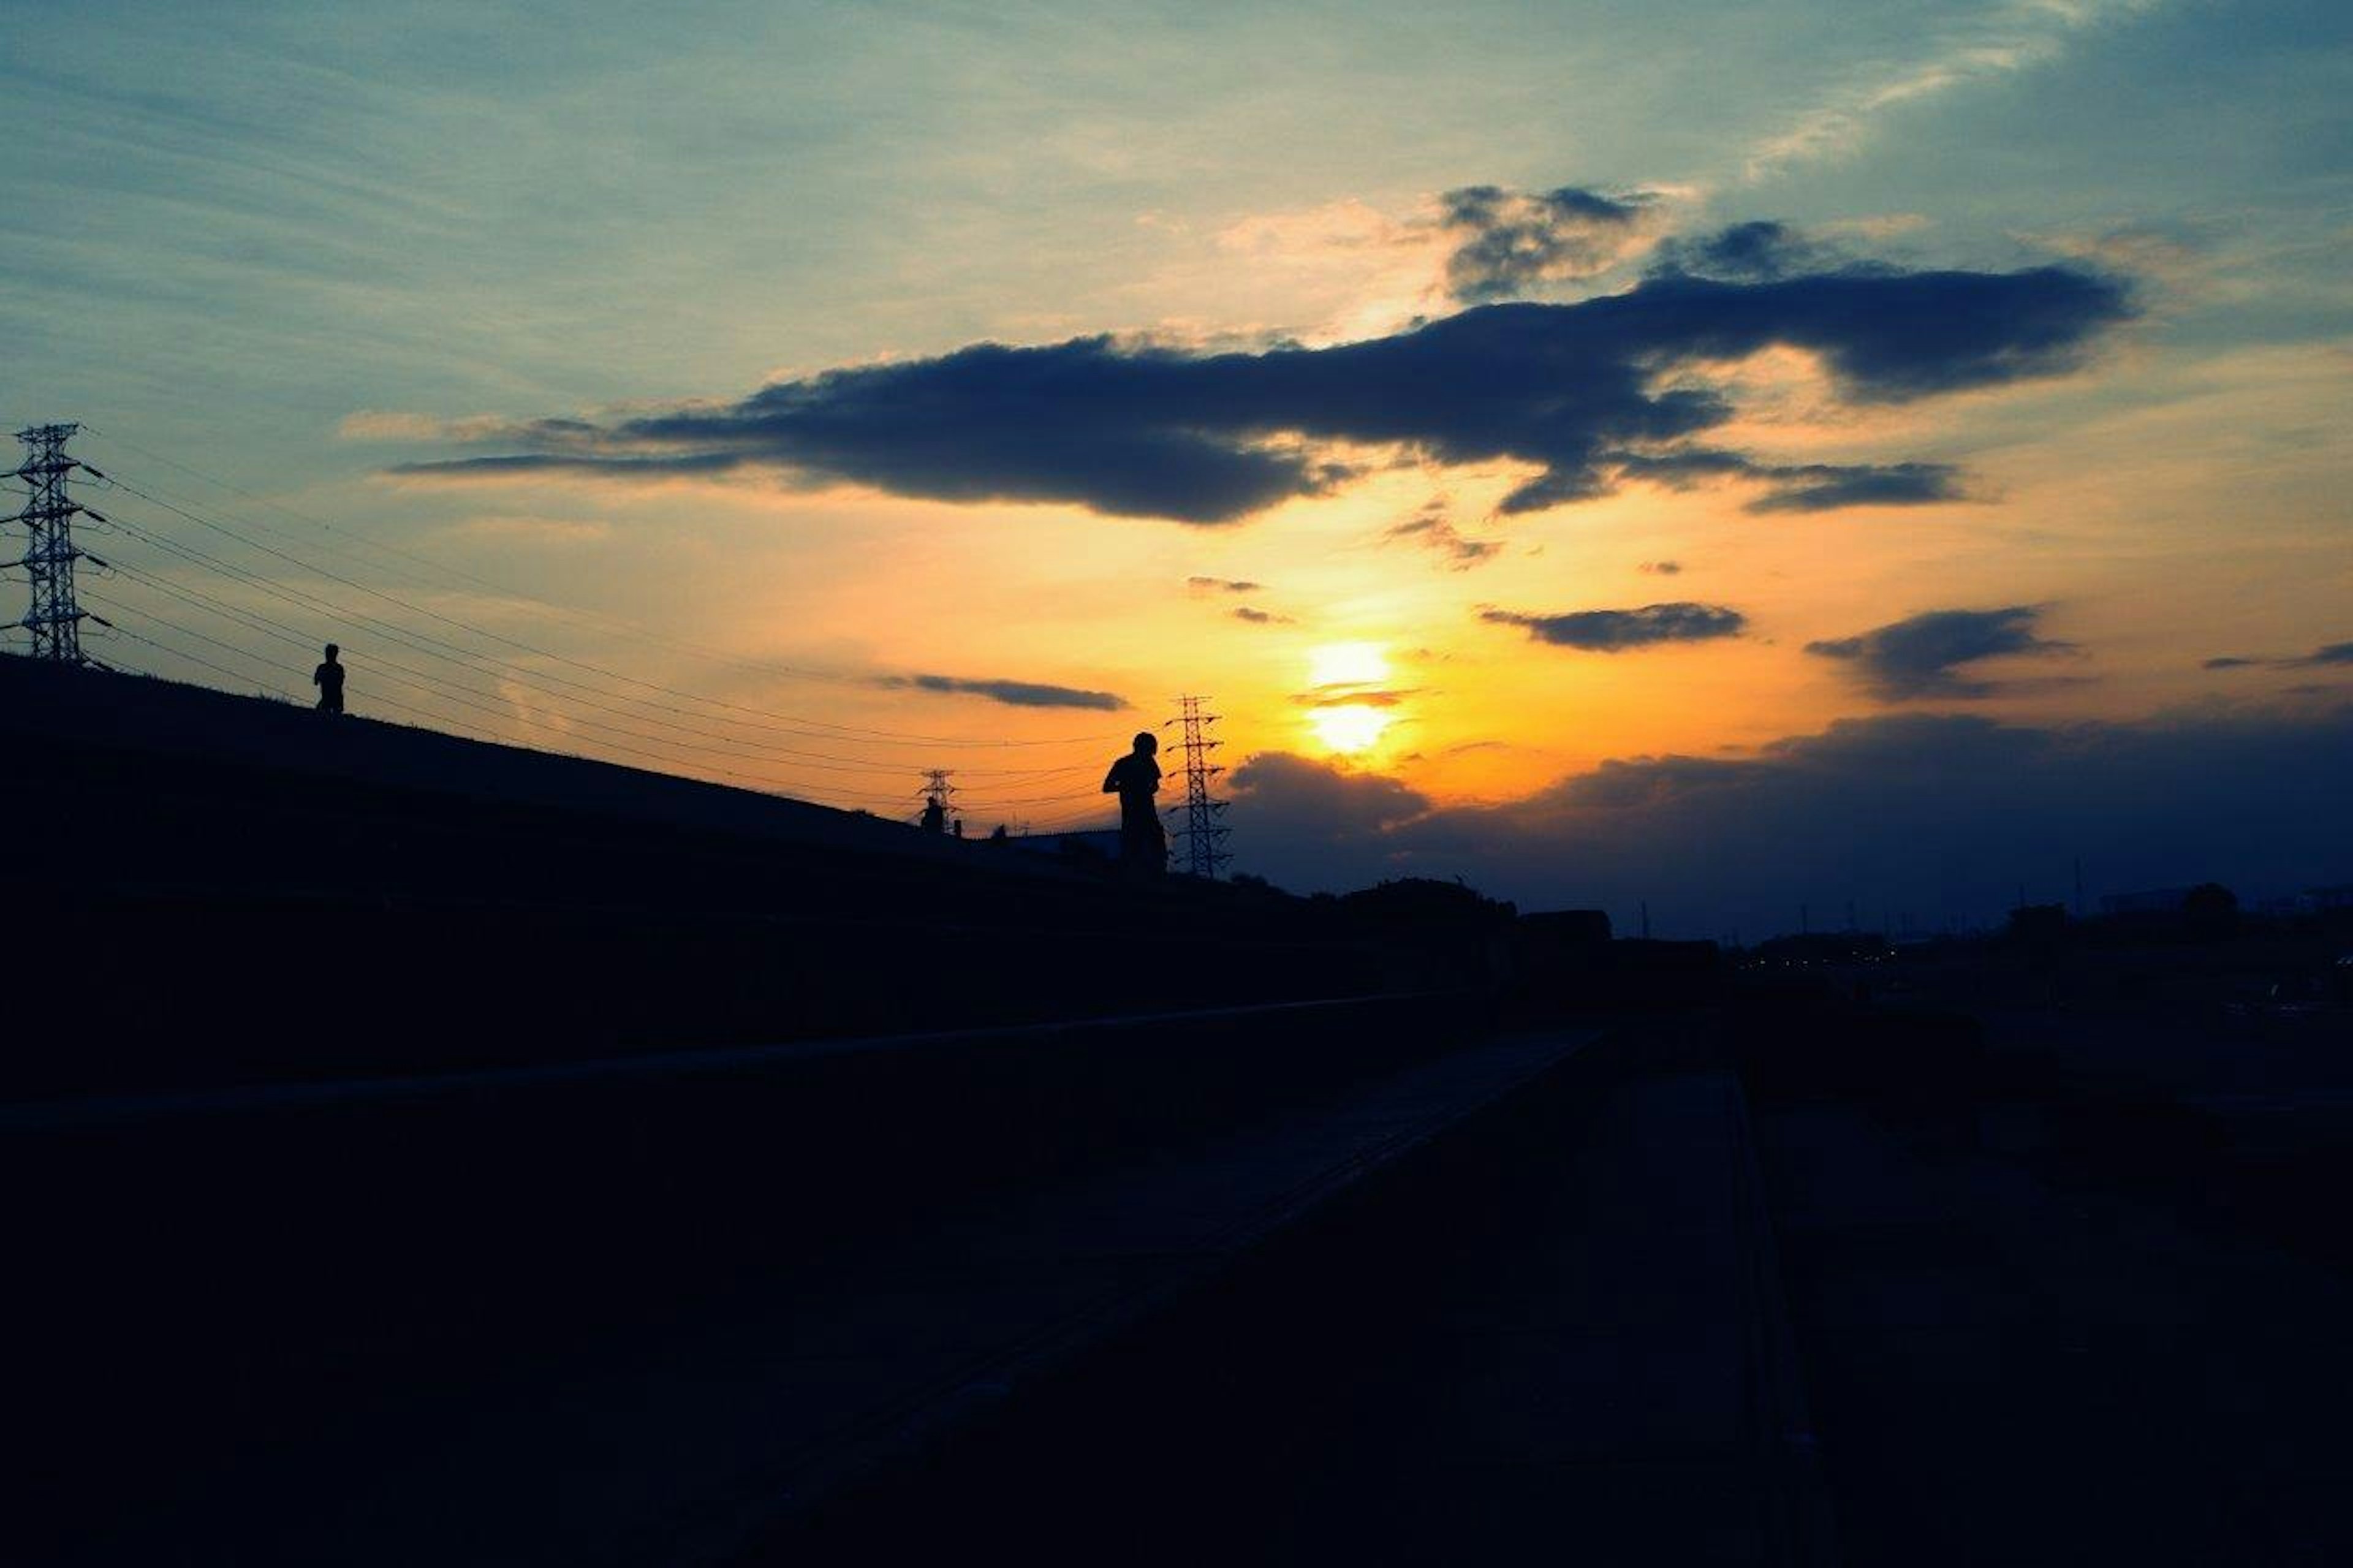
column 1593, row 393
column 1937, row 814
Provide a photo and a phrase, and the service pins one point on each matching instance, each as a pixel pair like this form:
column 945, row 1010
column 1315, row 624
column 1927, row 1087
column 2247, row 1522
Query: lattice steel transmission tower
column 1204, row 835
column 936, row 792
column 52, row 616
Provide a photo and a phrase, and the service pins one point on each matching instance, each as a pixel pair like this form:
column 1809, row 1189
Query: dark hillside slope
column 220, row 890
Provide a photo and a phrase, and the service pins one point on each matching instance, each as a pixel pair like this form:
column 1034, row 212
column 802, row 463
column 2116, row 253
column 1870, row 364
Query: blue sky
column 448, row 205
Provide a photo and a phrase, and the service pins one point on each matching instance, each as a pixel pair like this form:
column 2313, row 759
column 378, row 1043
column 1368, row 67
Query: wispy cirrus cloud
column 395, row 425
column 1964, row 52
column 1355, row 694
column 530, row 529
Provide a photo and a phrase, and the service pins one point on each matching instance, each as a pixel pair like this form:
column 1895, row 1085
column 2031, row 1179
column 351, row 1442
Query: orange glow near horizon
column 1321, row 630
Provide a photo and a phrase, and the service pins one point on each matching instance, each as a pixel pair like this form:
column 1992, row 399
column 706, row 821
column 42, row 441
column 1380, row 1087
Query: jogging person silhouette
column 1135, row 779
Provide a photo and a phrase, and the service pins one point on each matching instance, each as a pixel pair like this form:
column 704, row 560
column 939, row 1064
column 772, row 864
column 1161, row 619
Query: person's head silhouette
column 1146, row 743
column 331, row 651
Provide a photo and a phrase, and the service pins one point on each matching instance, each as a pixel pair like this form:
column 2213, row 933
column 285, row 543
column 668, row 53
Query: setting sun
column 1350, row 728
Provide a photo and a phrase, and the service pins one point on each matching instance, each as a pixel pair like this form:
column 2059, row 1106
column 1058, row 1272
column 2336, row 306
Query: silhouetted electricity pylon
column 52, row 616
column 935, row 793
column 1204, row 835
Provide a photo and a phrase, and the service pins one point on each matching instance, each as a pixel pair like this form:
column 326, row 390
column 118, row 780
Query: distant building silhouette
column 1135, row 779
column 329, row 678
column 2153, row 902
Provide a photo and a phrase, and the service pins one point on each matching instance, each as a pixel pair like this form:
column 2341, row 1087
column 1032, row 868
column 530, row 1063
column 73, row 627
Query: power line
column 460, row 574
column 464, row 696
column 407, row 676
column 470, row 732
column 432, row 646
column 429, row 647
column 196, row 659
column 697, row 733
column 877, row 735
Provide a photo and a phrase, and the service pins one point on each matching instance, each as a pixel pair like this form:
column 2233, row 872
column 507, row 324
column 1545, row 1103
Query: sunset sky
column 1721, row 456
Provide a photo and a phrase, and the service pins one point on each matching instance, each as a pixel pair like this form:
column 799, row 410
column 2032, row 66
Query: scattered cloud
column 1662, row 568
column 1471, row 244
column 1507, row 243
column 1432, row 528
column 1800, row 487
column 1259, row 617
column 1013, row 693
column 1921, row 656
column 1825, row 487
column 1592, row 393
column 1222, row 585
column 1613, row 631
column 2335, row 653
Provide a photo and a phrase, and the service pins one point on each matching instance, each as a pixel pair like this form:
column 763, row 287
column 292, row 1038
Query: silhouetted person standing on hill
column 1135, row 779
column 935, row 814
column 329, row 678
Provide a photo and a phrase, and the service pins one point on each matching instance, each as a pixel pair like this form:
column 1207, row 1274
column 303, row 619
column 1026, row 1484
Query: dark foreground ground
column 1761, row 1281
column 428, row 1153
column 2005, row 1307
column 2100, row 1318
